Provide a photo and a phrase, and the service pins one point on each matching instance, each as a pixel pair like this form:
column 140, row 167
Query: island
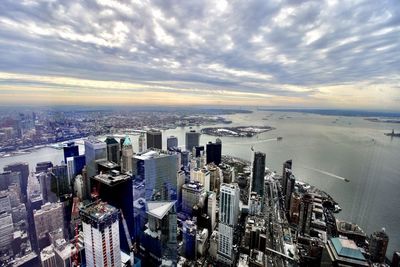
column 239, row 131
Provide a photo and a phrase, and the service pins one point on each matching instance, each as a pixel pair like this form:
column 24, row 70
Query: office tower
column 127, row 153
column 254, row 204
column 214, row 151
column 70, row 168
column 202, row 176
column 396, row 259
column 113, row 153
column 43, row 166
column 228, row 217
column 343, row 252
column 79, row 164
column 212, row 208
column 7, row 178
column 142, row 143
column 95, row 152
column 378, row 244
column 215, row 176
column 48, row 257
column 158, row 171
column 185, row 159
column 192, row 140
column 6, row 232
column 70, row 150
column 115, row 188
column 189, row 230
column 60, row 184
column 154, row 140
column 257, row 182
column 180, row 178
column 49, row 218
column 198, row 151
column 172, row 142
column 23, row 168
column 159, row 238
column 286, row 171
column 289, row 190
column 46, row 188
column 101, row 234
column 294, row 211
column 305, row 215
column 193, row 193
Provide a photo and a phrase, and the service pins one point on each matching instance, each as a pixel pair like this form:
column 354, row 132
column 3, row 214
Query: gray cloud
column 247, row 46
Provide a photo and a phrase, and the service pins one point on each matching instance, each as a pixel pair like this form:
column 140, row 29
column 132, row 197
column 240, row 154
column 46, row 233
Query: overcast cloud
column 284, row 53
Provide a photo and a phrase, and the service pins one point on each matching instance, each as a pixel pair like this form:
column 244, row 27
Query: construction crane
column 128, row 239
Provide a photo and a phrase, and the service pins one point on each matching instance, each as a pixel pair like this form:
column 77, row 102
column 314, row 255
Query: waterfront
column 351, row 148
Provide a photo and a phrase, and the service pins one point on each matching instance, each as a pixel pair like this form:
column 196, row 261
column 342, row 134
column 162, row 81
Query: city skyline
column 276, row 53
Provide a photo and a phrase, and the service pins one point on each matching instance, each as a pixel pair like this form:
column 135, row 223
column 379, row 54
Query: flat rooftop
column 110, row 179
column 98, row 211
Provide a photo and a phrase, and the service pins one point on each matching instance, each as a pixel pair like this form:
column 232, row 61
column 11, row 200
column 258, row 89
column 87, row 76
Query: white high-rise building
column 202, row 176
column 70, row 168
column 101, row 235
column 228, row 217
column 212, row 208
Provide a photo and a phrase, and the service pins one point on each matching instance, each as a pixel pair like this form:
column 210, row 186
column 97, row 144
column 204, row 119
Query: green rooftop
column 347, row 248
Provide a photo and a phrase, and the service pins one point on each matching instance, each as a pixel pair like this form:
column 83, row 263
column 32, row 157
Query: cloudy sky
column 290, row 53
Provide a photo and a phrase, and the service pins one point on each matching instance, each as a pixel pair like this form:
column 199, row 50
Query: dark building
column 43, row 166
column 113, row 149
column 116, row 189
column 60, row 184
column 289, row 190
column 396, row 259
column 198, row 151
column 305, row 214
column 154, row 140
column 257, row 182
column 7, row 178
column 70, row 150
column 192, row 139
column 79, row 164
column 286, row 171
column 172, row 142
column 23, row 169
column 185, row 158
column 378, row 243
column 214, row 151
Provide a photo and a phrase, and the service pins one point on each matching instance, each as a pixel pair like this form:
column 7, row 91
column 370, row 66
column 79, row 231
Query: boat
column 279, row 138
column 393, row 134
column 346, row 180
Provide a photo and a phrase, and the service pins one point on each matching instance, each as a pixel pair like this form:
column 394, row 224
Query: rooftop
column 111, row 179
column 98, row 210
column 347, row 248
column 159, row 209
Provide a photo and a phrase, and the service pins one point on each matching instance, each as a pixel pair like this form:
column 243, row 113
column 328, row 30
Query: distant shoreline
column 338, row 112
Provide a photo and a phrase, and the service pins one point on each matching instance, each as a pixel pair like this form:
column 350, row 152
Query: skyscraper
column 257, row 182
column 192, row 139
column 70, row 150
column 154, row 140
column 142, row 142
column 49, row 218
column 378, row 244
column 289, row 190
column 95, row 151
column 127, row 153
column 101, row 234
column 23, row 168
column 113, row 153
column 305, row 214
column 158, row 171
column 116, row 190
column 213, row 151
column 228, row 217
column 286, row 171
column 172, row 142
